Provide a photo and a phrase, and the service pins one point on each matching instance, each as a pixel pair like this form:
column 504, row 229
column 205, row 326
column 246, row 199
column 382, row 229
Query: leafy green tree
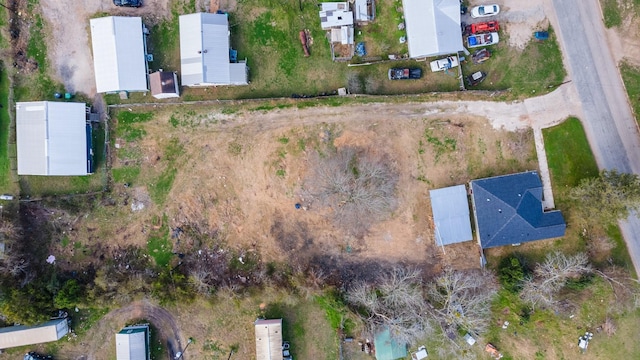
column 70, row 294
column 608, row 197
column 511, row 274
column 27, row 305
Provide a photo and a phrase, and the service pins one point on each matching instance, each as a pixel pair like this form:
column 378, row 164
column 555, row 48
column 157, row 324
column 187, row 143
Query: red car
column 483, row 27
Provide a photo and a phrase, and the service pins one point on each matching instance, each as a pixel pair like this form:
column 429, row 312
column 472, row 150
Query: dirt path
column 101, row 337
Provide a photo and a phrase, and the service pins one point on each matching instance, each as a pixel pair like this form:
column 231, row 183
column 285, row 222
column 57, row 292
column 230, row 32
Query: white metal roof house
column 53, row 138
column 21, row 335
column 433, row 27
column 119, row 54
column 132, row 343
column 205, row 52
column 335, row 14
column 268, row 339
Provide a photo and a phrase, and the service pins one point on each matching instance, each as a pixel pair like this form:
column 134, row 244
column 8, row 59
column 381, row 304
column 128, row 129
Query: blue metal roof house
column 508, row 211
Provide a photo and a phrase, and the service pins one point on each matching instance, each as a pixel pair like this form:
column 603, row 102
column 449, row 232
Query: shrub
column 511, row 274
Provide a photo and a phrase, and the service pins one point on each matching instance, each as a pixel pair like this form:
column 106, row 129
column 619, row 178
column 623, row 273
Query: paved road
column 607, row 118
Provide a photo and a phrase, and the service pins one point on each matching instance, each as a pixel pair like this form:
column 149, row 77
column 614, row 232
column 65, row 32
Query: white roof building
column 335, row 14
column 451, row 217
column 204, row 52
column 53, row 138
column 119, row 54
column 433, row 27
column 21, row 335
column 132, row 343
column 268, row 339
column 364, row 10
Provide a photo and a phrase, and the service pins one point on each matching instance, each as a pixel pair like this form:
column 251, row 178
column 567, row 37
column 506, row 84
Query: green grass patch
column 611, row 12
column 631, row 78
column 5, row 127
column 159, row 189
column 84, row 319
column 127, row 174
column 129, row 125
column 37, row 85
column 620, row 254
column 159, row 245
column 336, row 311
column 569, row 155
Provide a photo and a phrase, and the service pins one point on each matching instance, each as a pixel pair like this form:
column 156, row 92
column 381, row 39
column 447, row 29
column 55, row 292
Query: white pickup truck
column 446, row 63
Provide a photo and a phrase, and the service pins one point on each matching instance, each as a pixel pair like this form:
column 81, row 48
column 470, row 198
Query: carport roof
column 450, row 208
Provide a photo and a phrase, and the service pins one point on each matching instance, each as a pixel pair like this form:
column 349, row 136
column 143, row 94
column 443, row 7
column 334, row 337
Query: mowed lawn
column 631, row 78
column 569, row 155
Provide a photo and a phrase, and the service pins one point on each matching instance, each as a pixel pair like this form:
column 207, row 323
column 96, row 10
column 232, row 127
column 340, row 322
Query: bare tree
column 462, row 299
column 397, row 304
column 625, row 289
column 552, row 275
column 358, row 184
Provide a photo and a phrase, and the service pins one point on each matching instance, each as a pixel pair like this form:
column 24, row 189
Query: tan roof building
column 21, row 335
column 268, row 339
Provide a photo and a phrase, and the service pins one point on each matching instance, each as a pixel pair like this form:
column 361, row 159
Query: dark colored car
column 129, row 3
column 480, row 56
column 476, row 78
column 404, row 73
column 35, row 356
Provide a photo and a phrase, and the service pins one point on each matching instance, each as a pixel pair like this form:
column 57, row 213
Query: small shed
column 119, row 54
column 451, row 215
column 387, row 348
column 268, row 339
column 164, row 85
column 205, row 53
column 335, row 15
column 53, row 138
column 132, row 343
column 365, row 11
column 14, row 336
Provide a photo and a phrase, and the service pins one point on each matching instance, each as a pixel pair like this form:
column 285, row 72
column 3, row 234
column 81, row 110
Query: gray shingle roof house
column 205, row 54
column 508, row 210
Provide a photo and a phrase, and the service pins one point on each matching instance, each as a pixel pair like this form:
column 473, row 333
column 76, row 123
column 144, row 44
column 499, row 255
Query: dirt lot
column 240, row 175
